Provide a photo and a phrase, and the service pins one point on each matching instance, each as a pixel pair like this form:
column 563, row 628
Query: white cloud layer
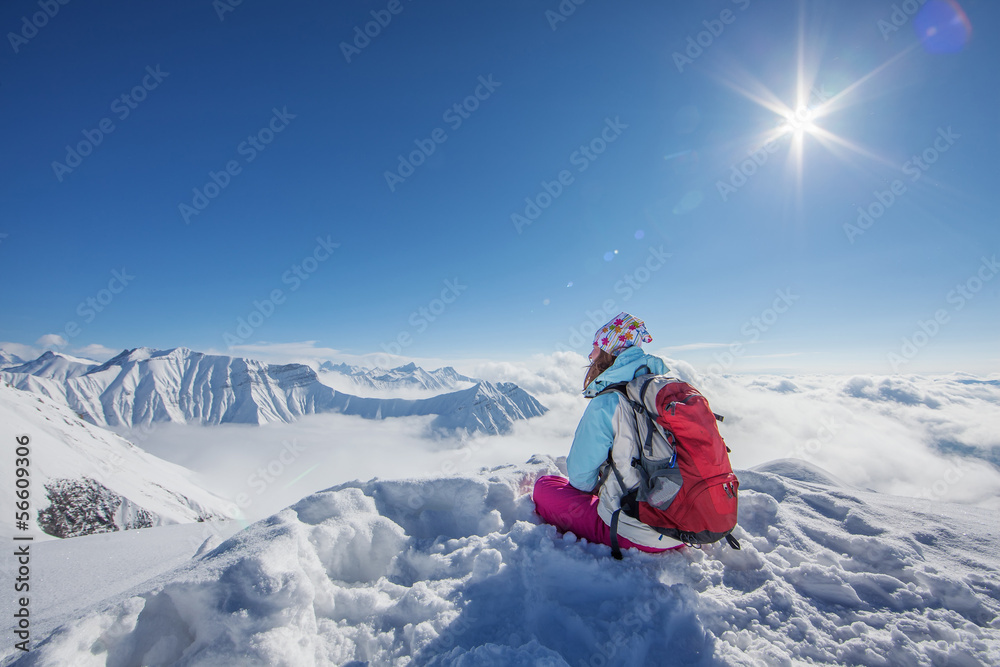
column 931, row 437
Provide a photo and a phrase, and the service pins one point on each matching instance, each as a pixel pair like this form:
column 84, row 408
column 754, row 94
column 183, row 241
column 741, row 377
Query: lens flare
column 942, row 27
column 689, row 202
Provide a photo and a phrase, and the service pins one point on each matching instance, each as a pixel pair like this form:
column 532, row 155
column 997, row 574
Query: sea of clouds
column 933, row 437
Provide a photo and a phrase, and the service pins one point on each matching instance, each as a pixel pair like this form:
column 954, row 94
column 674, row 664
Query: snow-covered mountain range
column 409, row 376
column 8, row 359
column 143, row 386
column 85, row 479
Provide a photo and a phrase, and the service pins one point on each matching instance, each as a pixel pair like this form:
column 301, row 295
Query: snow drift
column 459, row 571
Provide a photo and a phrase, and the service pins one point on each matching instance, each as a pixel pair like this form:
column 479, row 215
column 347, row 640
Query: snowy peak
column 140, row 354
column 142, row 386
column 484, row 408
column 8, row 359
column 492, row 408
column 406, row 377
column 55, row 366
column 343, row 369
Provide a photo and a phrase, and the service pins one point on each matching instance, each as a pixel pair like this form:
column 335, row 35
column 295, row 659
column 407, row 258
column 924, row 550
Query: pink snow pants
column 575, row 511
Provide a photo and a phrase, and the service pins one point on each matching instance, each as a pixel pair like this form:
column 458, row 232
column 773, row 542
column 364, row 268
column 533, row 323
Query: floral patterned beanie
column 623, row 331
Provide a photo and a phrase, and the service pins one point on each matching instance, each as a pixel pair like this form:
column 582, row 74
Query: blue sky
column 762, row 262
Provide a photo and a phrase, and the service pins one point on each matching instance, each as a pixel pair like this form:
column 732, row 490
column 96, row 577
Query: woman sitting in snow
column 580, row 504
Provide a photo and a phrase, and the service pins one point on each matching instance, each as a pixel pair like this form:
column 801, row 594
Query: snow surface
column 67, row 576
column 65, row 451
column 459, row 571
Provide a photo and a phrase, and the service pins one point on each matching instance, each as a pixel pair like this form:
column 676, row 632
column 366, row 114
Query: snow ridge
column 93, row 480
column 487, row 407
column 55, row 366
column 8, row 359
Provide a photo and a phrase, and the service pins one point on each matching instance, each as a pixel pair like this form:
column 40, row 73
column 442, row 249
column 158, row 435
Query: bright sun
column 800, row 122
column 803, row 118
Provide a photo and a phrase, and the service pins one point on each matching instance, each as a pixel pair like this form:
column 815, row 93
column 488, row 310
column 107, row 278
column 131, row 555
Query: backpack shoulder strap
column 618, row 386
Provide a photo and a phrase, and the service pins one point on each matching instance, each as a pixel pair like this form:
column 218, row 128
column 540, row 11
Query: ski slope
column 85, row 479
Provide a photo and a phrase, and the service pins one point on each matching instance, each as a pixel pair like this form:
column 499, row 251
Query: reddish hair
column 602, row 363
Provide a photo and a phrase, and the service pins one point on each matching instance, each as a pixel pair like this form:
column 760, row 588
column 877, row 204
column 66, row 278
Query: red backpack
column 686, row 488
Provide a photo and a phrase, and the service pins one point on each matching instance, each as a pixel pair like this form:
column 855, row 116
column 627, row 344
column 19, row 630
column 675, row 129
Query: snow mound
column 459, row 571
column 800, row 470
